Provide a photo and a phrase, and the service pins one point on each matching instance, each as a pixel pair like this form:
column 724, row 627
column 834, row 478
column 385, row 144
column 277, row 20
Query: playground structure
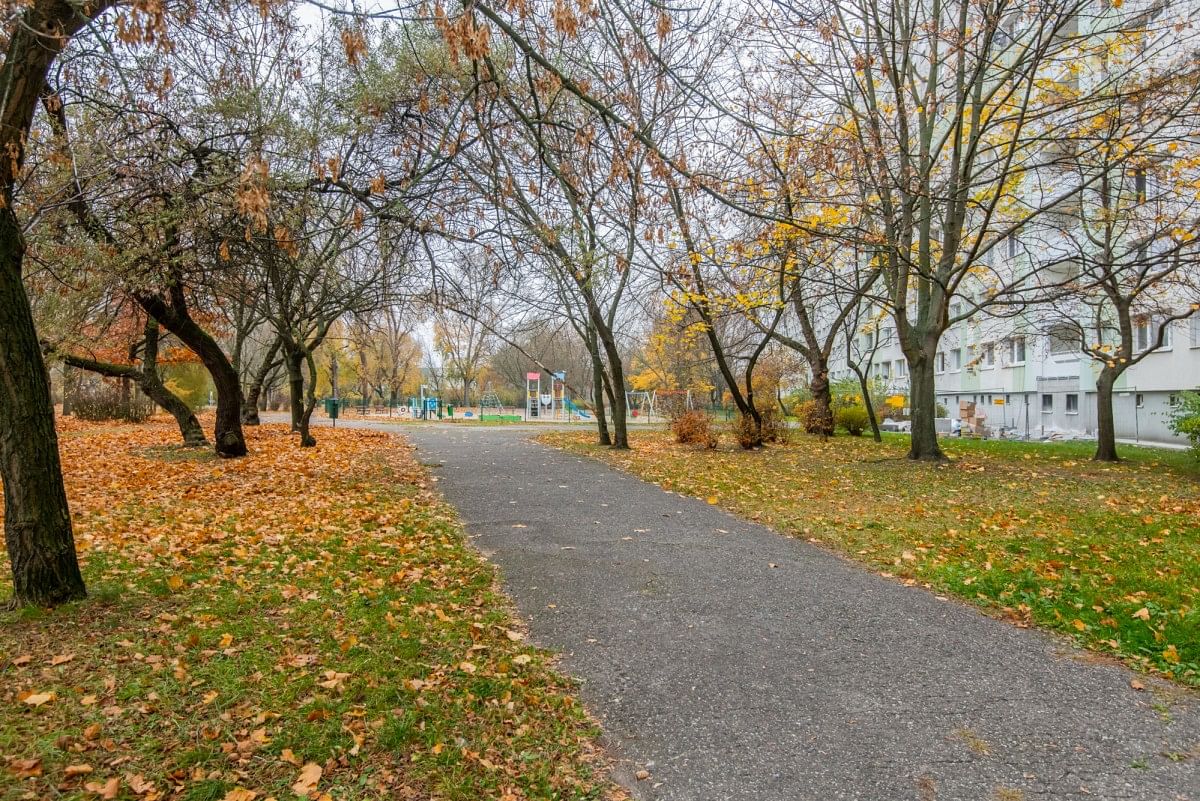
column 553, row 405
column 658, row 404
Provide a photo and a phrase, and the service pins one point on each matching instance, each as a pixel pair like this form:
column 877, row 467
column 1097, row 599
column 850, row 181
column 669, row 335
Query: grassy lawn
column 299, row 623
column 1107, row 554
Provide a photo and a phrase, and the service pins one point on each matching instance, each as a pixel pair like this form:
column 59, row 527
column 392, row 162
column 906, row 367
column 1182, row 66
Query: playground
column 547, row 399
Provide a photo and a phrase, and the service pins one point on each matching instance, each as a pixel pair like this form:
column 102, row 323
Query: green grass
column 1108, row 555
column 249, row 617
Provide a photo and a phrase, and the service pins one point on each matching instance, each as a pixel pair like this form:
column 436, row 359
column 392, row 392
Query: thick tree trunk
column 823, row 425
column 229, row 440
column 923, row 406
column 294, row 360
column 1106, row 431
column 37, row 521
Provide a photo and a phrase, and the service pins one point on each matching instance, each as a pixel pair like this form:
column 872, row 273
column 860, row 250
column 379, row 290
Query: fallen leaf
column 176, row 584
column 289, row 757
column 1137, row 685
column 240, row 794
column 1142, row 614
column 23, row 659
column 642, row 775
column 37, row 699
column 106, row 791
column 25, row 768
column 78, row 770
column 306, row 783
column 61, row 659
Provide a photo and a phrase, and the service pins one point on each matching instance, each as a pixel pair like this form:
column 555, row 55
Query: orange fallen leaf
column 288, row 756
column 106, row 791
column 78, row 770
column 306, row 783
column 61, row 659
column 240, row 794
column 25, row 768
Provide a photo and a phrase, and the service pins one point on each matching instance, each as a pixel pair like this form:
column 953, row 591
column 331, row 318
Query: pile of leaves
column 1106, row 554
column 299, row 623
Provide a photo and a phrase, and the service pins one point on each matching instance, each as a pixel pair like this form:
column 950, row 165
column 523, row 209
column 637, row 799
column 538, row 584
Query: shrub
column 853, row 420
column 771, row 429
column 1185, row 420
column 103, row 401
column 694, row 428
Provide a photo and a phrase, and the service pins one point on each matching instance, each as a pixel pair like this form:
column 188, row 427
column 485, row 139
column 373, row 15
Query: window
column 956, row 309
column 1146, row 334
column 1072, row 403
column 956, row 360
column 901, row 368
column 1173, row 400
column 1140, row 400
column 1139, row 184
column 1016, row 350
column 1062, row 340
column 988, row 355
column 1011, row 246
column 939, row 362
column 1047, row 404
column 1195, row 326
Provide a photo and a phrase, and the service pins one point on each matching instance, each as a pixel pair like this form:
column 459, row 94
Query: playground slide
column 571, row 407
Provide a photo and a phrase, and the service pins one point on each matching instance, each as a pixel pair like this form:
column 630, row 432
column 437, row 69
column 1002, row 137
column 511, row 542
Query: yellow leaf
column 77, row 770
column 176, row 584
column 226, row 640
column 37, row 699
column 1142, row 614
column 1171, row 655
column 1079, row 624
column 712, row 499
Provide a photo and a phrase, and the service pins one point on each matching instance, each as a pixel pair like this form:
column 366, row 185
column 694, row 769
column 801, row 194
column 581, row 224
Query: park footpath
column 726, row 661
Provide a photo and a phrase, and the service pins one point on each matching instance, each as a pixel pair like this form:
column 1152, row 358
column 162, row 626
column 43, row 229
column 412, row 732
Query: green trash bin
column 449, row 411
column 332, row 407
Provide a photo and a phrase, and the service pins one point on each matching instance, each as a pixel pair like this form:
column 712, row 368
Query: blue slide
column 571, row 407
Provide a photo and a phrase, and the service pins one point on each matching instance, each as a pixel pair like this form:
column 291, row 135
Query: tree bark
column 603, row 437
column 228, row 436
column 1106, row 431
column 294, row 360
column 37, row 519
column 253, row 392
column 923, row 405
column 822, row 397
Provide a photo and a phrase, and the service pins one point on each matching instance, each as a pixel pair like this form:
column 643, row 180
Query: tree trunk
column 253, row 392
column 230, row 442
column 37, row 520
column 923, row 405
column 620, row 440
column 823, row 425
column 294, row 360
column 307, row 440
column 1106, row 431
column 603, row 437
column 69, row 383
column 869, row 403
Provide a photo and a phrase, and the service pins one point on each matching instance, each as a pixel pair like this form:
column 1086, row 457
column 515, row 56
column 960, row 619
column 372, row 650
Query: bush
column 694, row 428
column 103, row 401
column 1185, row 420
column 771, row 429
column 853, row 420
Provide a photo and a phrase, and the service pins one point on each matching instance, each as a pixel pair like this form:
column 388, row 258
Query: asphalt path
column 726, row 661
